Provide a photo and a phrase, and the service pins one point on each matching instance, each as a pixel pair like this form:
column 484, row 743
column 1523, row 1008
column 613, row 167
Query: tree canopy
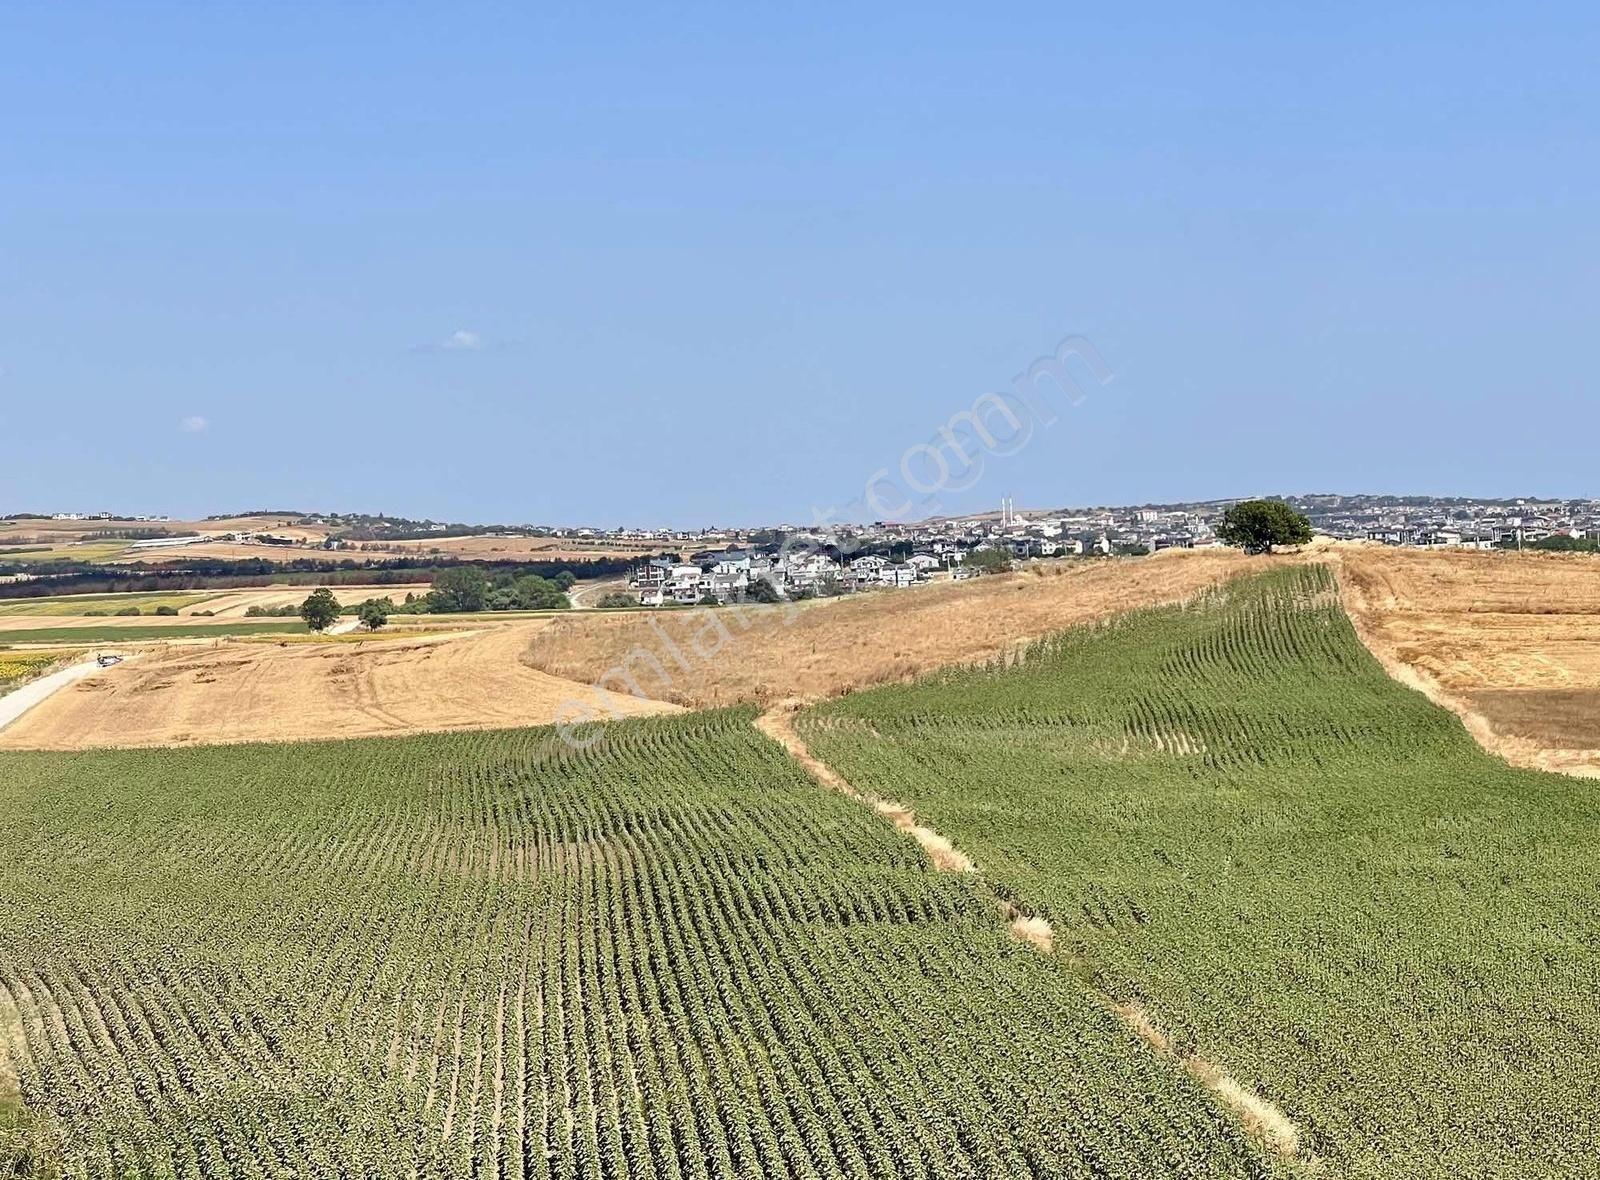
column 987, row 561
column 374, row 612
column 1257, row 525
column 321, row 610
column 460, row 589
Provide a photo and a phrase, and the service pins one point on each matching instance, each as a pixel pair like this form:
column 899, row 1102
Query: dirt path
column 588, row 595
column 1255, row 1113
column 778, row 723
column 13, row 1050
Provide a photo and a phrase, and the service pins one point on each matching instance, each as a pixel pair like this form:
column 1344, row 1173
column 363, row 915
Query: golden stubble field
column 1509, row 641
column 824, row 648
column 214, row 691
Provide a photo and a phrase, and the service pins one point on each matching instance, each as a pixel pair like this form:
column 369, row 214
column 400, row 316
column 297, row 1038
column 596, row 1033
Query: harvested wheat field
column 1509, row 641
column 236, row 551
column 235, row 691
column 183, row 622
column 234, row 603
column 825, row 648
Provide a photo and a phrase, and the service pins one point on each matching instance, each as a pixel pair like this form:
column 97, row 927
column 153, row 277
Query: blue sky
column 689, row 264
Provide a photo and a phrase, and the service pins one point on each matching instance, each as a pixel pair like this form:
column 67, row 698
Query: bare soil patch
column 827, row 648
column 1562, row 718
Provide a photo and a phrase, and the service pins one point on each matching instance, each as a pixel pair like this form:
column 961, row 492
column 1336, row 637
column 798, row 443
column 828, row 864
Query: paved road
column 15, row 704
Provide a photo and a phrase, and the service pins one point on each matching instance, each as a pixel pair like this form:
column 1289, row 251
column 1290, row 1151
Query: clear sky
column 689, row 263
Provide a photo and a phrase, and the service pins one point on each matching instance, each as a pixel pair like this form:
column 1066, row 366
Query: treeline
column 1560, row 544
column 294, row 512
column 240, row 575
column 467, row 589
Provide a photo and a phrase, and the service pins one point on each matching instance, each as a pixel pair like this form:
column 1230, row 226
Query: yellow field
column 234, row 603
column 81, row 605
column 18, row 666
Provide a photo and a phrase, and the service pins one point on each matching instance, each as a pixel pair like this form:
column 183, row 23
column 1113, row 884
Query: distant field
column 234, row 603
column 515, row 548
column 133, row 632
column 1511, row 641
column 670, row 955
column 80, row 604
column 1234, row 820
column 86, row 551
column 354, row 686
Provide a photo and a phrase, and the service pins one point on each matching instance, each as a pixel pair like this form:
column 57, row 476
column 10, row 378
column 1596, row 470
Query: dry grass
column 827, row 648
column 1509, row 641
column 225, row 691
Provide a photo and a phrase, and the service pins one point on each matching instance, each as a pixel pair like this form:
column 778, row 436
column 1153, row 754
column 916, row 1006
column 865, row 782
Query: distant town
column 690, row 566
column 1421, row 521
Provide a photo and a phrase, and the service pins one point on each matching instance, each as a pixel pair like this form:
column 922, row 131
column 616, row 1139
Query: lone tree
column 374, row 612
column 320, row 610
column 1257, row 525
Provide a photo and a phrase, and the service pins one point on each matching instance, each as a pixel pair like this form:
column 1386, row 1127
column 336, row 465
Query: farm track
column 1255, row 1113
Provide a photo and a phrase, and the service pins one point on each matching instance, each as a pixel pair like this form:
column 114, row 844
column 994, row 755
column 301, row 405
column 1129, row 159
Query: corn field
column 1304, row 871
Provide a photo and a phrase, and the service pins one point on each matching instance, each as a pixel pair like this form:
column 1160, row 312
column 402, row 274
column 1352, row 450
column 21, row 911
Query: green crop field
column 675, row 955
column 66, row 605
column 669, row 955
column 110, row 634
column 1230, row 814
